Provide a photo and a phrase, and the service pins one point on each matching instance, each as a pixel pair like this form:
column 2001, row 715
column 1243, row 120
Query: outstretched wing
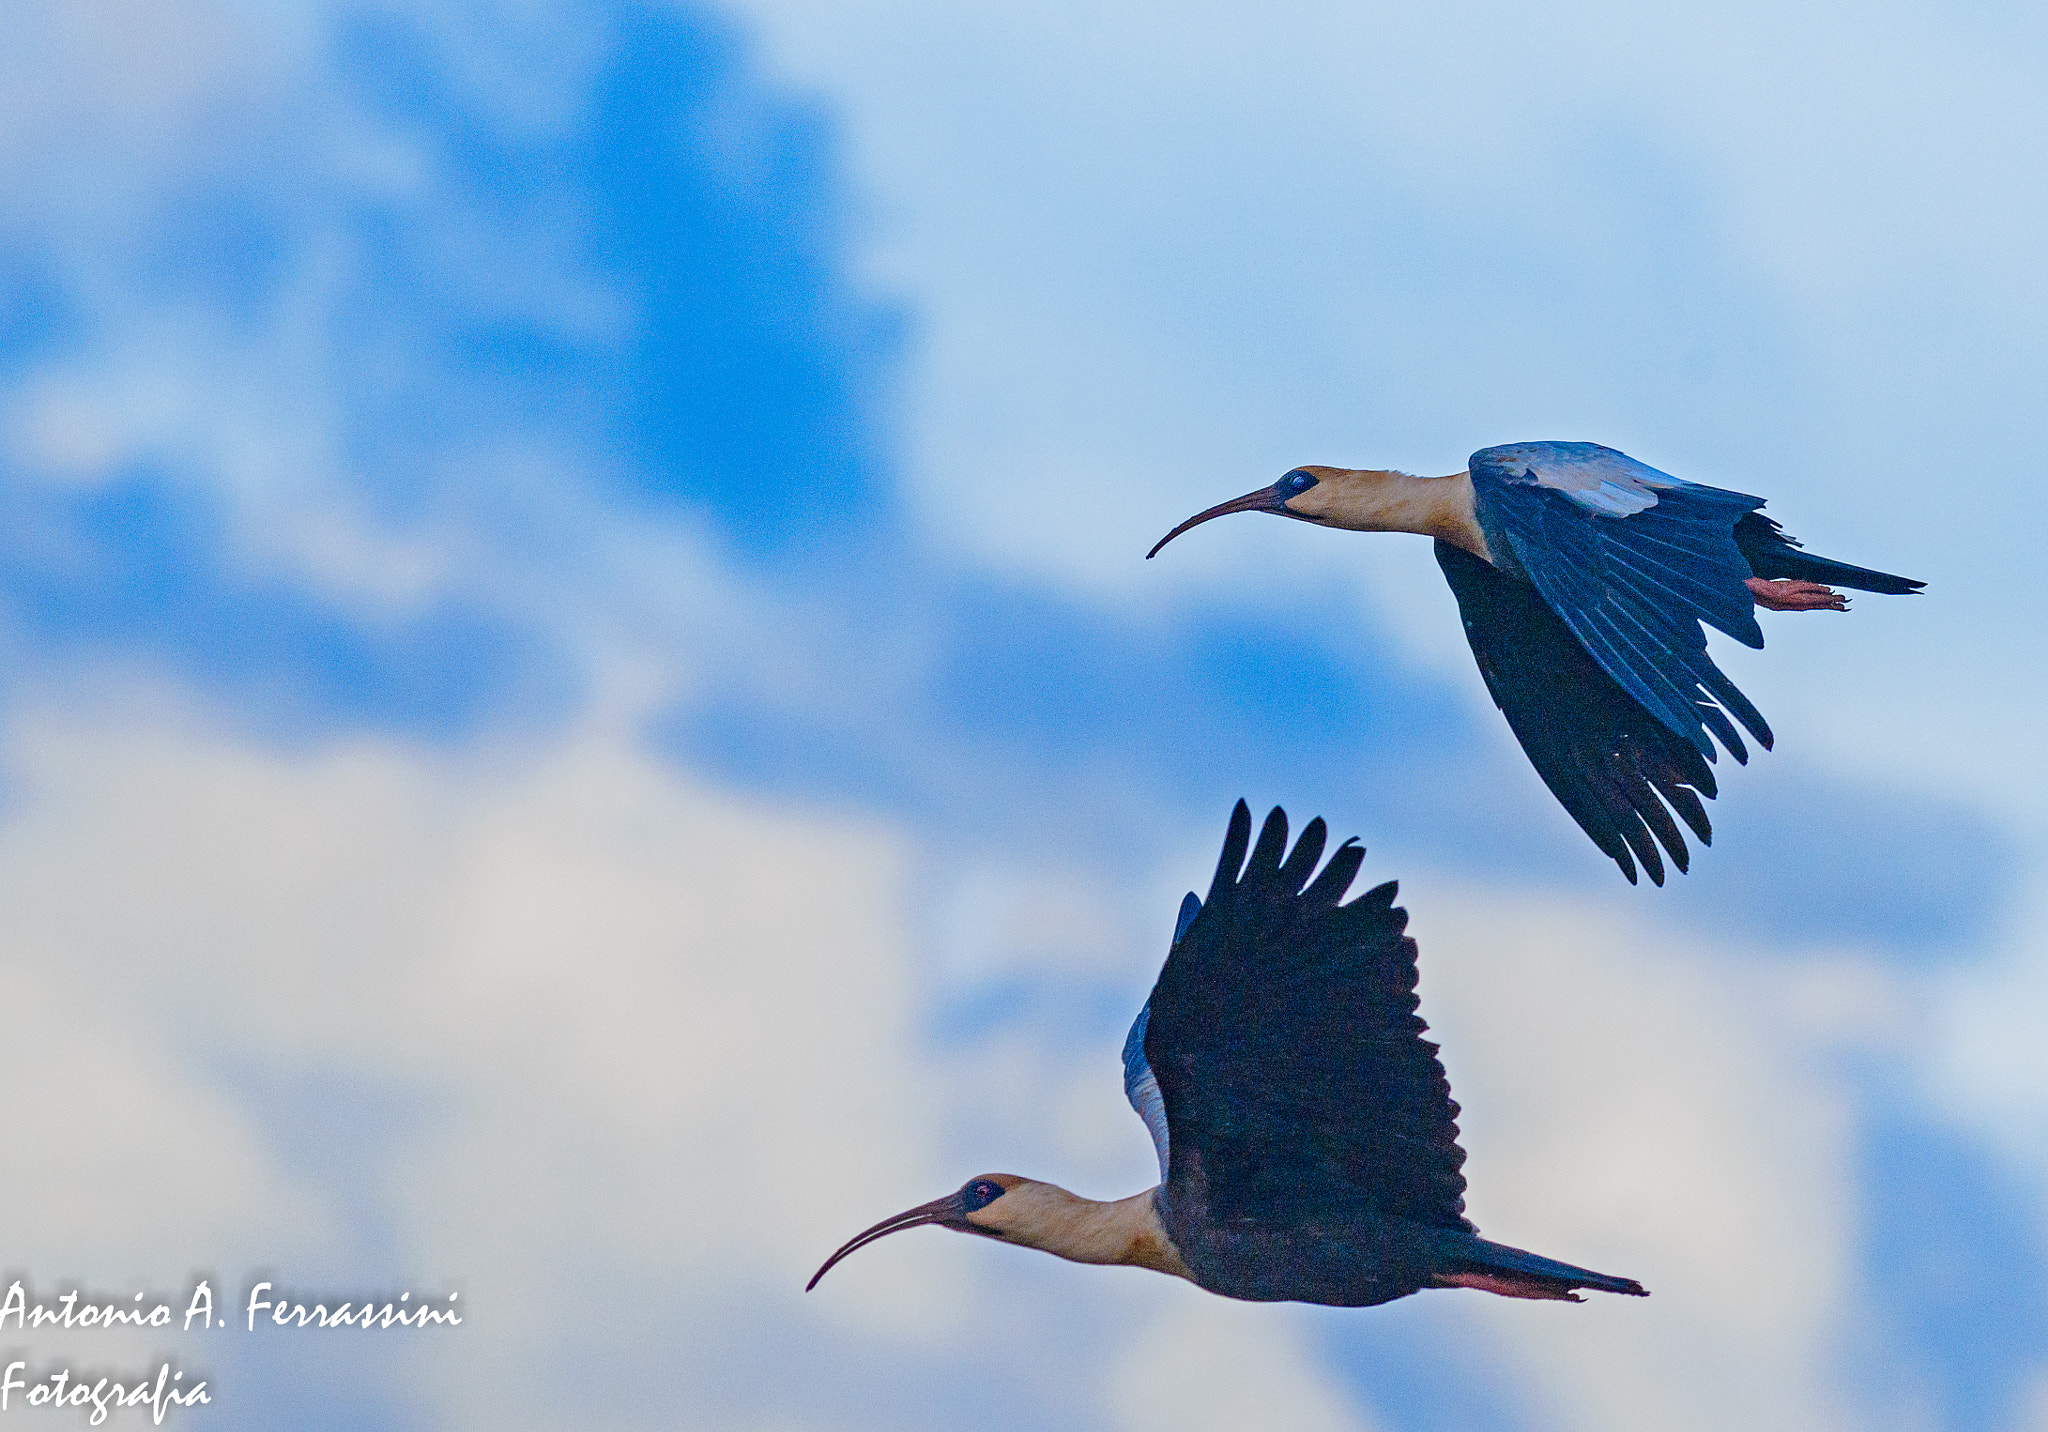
column 1632, row 560
column 1296, row 1082
column 1604, row 757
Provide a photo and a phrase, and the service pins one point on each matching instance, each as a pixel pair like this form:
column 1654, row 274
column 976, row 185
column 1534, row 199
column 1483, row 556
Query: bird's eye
column 1297, row 482
column 980, row 1194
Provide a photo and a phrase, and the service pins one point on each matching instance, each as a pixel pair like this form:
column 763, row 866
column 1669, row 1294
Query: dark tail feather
column 1497, row 1268
column 1774, row 557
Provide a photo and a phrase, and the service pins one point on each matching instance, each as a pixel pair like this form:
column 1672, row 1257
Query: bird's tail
column 1774, row 556
column 1496, row 1268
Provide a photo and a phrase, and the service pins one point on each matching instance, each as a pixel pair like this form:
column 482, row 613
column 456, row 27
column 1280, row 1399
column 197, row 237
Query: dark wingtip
column 1235, row 842
column 1329, row 887
column 1272, row 846
column 1308, row 849
column 1686, row 802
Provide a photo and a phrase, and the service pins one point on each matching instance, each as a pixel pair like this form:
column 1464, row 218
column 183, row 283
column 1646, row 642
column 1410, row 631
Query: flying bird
column 1583, row 576
column 1307, row 1140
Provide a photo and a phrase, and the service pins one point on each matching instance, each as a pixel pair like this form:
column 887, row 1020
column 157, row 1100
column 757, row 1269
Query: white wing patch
column 1142, row 1088
column 1615, row 499
column 1599, row 479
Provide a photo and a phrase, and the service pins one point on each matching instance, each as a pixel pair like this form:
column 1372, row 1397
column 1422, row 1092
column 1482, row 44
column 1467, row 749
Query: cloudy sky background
column 583, row 716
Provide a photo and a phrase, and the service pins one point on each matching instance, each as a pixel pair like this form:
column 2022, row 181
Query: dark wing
column 1283, row 1035
column 1604, row 757
column 1632, row 560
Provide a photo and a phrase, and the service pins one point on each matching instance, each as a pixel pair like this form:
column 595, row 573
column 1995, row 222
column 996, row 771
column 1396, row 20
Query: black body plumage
column 1314, row 1152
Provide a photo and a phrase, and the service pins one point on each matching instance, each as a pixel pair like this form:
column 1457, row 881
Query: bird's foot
column 1795, row 596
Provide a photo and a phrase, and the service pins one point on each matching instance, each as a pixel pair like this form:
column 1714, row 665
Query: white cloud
column 1640, row 1104
column 1214, row 1366
column 670, row 1048
column 664, row 1049
column 99, row 100
column 1987, row 1064
column 659, row 1031
column 2032, row 1415
column 997, row 919
column 1161, row 254
column 132, row 1168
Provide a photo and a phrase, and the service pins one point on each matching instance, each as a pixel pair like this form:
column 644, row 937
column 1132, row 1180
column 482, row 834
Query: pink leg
column 1792, row 596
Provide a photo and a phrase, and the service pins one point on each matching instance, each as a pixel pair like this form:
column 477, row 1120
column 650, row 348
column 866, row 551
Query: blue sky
column 586, row 712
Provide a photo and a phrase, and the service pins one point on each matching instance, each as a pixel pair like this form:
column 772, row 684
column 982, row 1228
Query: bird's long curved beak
column 948, row 1210
column 1266, row 499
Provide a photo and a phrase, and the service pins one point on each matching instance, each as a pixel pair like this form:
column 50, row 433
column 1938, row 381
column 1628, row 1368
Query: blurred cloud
column 564, row 967
column 1219, row 1365
column 1705, row 1151
column 1161, row 255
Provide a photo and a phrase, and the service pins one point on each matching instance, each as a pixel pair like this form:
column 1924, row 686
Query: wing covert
column 1285, row 1042
column 1140, row 1086
column 1600, row 479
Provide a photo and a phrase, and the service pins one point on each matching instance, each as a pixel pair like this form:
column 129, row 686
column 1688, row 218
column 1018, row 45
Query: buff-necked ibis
column 1307, row 1141
column 1583, row 576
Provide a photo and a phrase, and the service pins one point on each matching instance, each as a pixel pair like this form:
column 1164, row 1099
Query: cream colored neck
column 1085, row 1231
column 1379, row 501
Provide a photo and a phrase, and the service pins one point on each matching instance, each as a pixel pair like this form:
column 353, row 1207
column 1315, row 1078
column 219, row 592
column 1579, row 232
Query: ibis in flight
column 1583, row 576
column 1308, row 1144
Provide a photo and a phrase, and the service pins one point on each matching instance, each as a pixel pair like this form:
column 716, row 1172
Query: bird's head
column 1309, row 494
column 995, row 1205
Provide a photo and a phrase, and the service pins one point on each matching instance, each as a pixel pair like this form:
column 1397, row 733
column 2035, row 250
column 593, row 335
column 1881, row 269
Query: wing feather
column 1718, row 722
column 1633, row 579
column 1141, row 1087
column 1289, row 1055
column 1611, row 763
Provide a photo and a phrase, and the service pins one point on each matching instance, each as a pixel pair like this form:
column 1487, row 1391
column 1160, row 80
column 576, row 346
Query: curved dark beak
column 949, row 1211
column 1266, row 499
